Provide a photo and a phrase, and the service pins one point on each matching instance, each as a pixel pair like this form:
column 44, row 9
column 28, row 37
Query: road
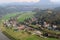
column 3, row 37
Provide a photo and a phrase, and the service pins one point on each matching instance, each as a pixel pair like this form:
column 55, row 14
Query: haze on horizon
column 29, row 1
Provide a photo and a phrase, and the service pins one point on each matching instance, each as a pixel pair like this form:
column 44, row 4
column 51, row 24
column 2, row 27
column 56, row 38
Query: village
column 27, row 26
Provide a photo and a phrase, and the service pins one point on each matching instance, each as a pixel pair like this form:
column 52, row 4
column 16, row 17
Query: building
column 46, row 24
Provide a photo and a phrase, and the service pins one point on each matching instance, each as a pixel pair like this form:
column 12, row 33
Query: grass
column 22, row 35
column 6, row 17
column 25, row 16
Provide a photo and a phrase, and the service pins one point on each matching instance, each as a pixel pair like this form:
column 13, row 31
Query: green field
column 7, row 16
column 22, row 35
column 25, row 15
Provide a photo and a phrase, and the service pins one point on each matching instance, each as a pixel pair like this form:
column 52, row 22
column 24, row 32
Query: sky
column 34, row 1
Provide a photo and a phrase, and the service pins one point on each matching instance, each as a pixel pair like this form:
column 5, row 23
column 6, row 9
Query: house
column 46, row 24
column 33, row 19
column 21, row 27
column 54, row 27
column 29, row 29
column 38, row 33
column 7, row 24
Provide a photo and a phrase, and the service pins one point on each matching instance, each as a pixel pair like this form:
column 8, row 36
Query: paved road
column 3, row 37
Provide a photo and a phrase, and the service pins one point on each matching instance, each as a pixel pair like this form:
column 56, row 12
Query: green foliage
column 54, row 16
column 7, row 16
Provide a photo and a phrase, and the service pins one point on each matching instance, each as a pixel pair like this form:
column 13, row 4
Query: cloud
column 55, row 1
column 7, row 1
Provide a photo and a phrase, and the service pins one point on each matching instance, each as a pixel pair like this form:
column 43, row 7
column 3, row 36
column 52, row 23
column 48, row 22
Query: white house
column 46, row 24
column 54, row 26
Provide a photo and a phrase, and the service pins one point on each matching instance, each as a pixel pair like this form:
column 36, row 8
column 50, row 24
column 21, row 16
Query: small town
column 28, row 26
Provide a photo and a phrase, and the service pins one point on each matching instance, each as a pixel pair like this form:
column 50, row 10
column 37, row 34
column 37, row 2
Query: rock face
column 3, row 37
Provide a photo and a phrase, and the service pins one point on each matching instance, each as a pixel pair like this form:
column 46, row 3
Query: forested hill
column 49, row 15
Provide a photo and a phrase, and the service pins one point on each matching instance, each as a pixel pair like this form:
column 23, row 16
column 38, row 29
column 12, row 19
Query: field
column 6, row 17
column 25, row 15
column 21, row 35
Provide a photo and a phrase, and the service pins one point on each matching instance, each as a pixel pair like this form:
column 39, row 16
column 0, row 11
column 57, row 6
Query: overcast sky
column 35, row 1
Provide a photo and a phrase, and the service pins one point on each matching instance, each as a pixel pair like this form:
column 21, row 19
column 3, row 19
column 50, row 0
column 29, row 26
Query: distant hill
column 18, row 7
column 15, row 8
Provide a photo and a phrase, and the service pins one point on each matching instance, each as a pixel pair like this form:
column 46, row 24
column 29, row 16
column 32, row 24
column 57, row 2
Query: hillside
column 49, row 15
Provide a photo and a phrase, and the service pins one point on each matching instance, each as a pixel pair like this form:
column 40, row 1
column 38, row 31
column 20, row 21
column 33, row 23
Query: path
column 3, row 37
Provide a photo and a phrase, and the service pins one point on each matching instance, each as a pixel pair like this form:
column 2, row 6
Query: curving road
column 3, row 37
